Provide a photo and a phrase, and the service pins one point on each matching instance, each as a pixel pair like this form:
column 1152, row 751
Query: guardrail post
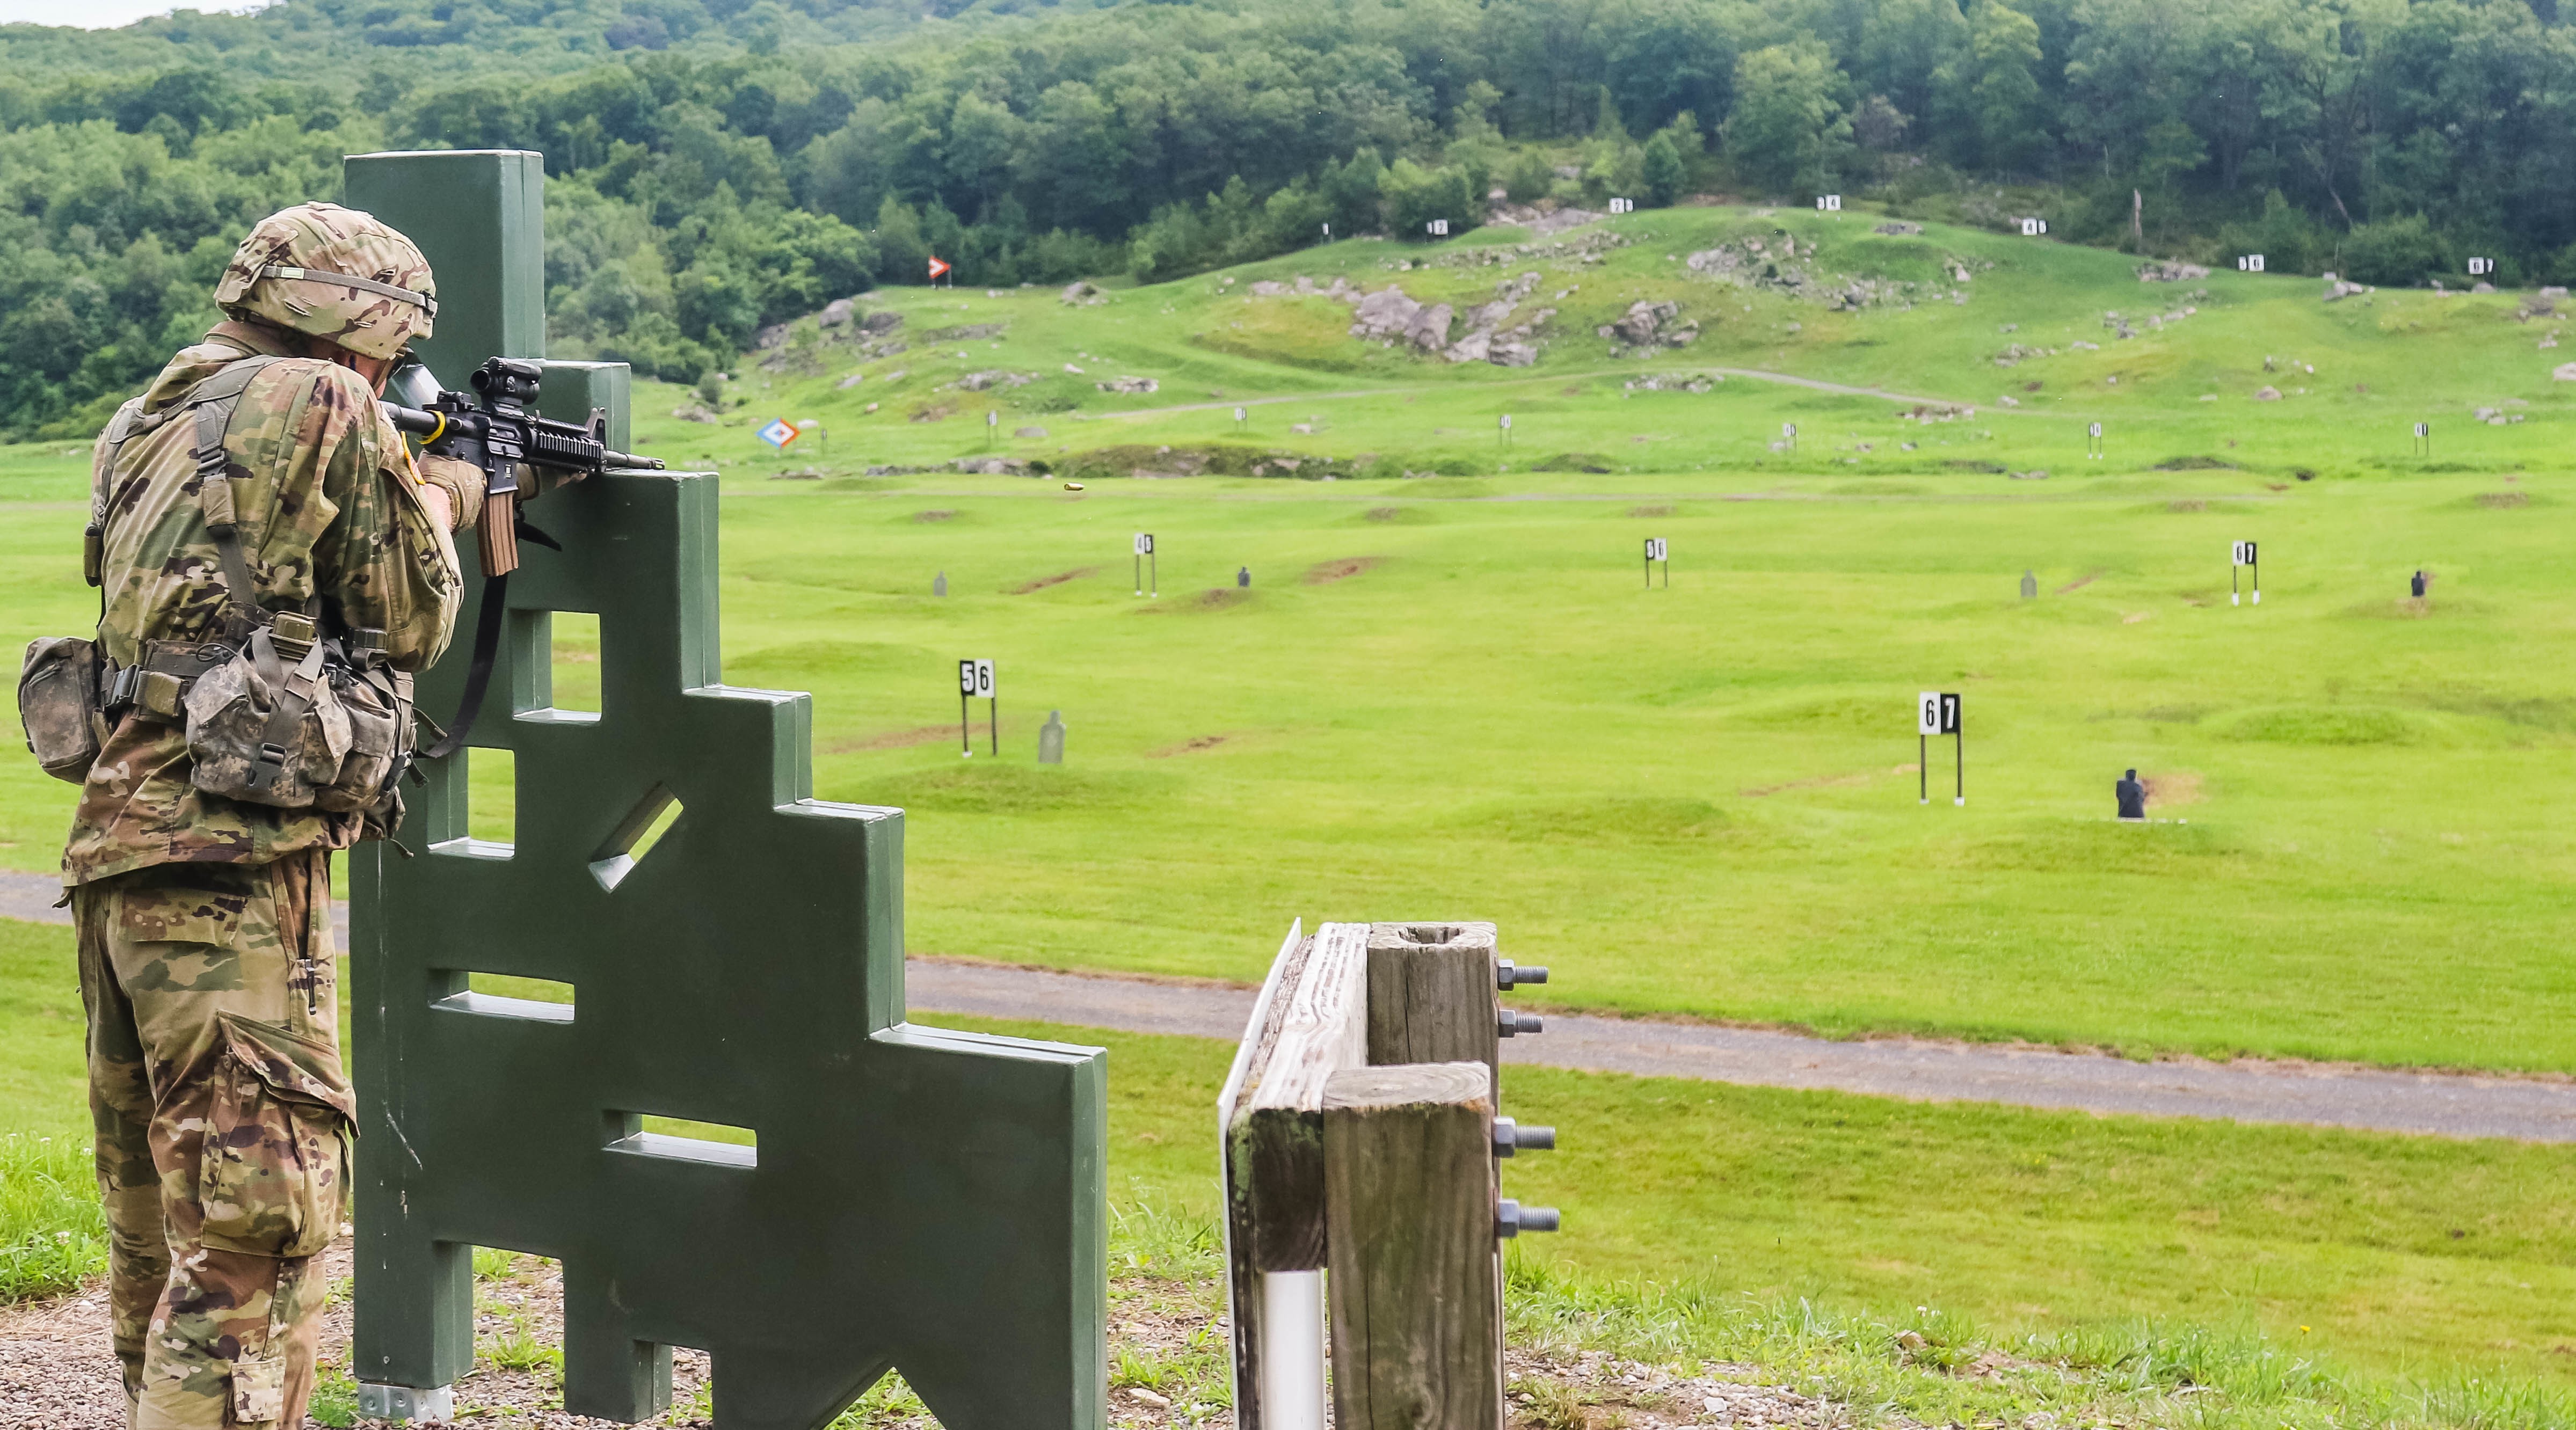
column 1414, row 1278
column 1431, row 993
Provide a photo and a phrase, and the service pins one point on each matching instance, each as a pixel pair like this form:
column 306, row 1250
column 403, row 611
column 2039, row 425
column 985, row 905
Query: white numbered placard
column 2093, row 431
column 2034, row 227
column 1144, row 543
column 2423, row 429
column 1238, row 414
column 1623, row 206
column 975, row 678
column 1655, row 548
column 2249, row 263
column 1507, row 422
column 1936, row 713
column 2480, row 267
column 2242, row 553
column 1829, row 203
column 1788, row 429
column 1437, row 228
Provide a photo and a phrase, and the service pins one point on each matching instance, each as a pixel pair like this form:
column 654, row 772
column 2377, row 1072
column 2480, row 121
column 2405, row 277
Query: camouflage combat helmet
column 335, row 273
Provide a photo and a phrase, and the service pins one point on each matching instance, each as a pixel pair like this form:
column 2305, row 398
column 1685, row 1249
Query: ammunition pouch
column 290, row 722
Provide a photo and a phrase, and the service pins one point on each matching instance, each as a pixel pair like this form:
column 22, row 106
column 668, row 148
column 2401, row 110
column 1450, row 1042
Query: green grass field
column 1450, row 695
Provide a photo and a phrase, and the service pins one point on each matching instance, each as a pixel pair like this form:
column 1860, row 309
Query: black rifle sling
column 478, row 676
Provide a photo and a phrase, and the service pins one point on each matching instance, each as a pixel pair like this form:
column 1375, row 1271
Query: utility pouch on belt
column 58, row 705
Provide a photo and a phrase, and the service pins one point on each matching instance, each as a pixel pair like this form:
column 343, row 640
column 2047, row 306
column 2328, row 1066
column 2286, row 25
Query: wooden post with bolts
column 1416, row 1275
column 1360, row 1135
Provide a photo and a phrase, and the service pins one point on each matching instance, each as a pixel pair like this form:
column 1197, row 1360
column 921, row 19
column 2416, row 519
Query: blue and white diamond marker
column 778, row 434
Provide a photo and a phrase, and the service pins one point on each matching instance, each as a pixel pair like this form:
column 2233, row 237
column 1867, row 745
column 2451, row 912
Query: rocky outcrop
column 1129, row 385
column 1082, row 295
column 2158, row 270
column 1389, row 316
column 1648, row 327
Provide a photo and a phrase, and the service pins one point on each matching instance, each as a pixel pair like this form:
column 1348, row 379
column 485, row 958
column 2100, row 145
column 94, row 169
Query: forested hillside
column 721, row 166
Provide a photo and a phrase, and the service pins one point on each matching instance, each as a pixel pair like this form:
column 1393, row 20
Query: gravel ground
column 1167, row 1356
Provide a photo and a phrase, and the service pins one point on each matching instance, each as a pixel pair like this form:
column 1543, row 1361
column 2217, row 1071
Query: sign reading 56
column 975, row 678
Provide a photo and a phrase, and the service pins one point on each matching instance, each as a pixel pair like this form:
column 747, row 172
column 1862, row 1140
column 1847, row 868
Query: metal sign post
column 975, row 681
column 1789, row 434
column 1506, row 430
column 1655, row 550
column 2423, row 439
column 1938, row 713
column 2242, row 555
column 2093, row 442
column 1144, row 558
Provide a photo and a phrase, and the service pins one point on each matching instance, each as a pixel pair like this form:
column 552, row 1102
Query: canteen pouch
column 58, row 705
column 263, row 732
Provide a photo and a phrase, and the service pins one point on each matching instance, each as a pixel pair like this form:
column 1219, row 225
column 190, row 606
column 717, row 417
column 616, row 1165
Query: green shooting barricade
column 923, row 1201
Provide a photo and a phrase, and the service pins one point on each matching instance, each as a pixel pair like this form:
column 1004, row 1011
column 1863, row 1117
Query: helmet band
column 422, row 301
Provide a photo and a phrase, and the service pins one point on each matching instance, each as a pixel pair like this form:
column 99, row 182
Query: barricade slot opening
column 679, row 1139
column 574, row 656
column 491, row 799
column 635, row 836
column 501, row 995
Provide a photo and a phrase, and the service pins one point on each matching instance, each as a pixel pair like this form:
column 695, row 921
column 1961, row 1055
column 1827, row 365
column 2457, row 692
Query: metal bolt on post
column 1511, row 1219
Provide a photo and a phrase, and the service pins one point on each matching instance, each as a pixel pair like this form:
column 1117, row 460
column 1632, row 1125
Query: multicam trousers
column 223, row 1119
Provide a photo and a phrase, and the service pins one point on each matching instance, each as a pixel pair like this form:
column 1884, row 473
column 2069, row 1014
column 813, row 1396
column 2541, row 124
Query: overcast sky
column 97, row 14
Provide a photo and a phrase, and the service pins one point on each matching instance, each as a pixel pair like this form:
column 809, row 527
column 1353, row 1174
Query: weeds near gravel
column 335, row 1399
column 888, row 1403
column 1151, row 1235
column 519, row 1349
column 52, row 1233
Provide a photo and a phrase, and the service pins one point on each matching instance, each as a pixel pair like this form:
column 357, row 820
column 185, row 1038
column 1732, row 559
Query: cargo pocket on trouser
column 273, row 1177
column 259, row 1391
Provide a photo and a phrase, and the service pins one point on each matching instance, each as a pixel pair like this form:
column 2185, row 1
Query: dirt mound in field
column 1325, row 573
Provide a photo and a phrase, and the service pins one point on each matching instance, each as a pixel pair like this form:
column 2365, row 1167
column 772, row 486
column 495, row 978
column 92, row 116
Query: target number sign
column 1936, row 713
column 2093, row 431
column 1144, row 543
column 975, row 678
column 2423, row 429
column 1788, row 429
column 1829, row 203
column 1437, row 228
column 2242, row 553
column 1623, row 206
column 2249, row 263
column 2033, row 227
column 2480, row 267
column 1655, row 549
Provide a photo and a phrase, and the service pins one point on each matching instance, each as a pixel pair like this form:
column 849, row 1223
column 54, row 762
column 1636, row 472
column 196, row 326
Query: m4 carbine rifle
column 495, row 431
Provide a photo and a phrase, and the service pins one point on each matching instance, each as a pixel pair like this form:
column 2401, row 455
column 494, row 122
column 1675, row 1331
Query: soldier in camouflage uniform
column 223, row 1112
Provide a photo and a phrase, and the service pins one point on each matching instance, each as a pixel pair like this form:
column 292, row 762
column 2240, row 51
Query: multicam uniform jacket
column 332, row 522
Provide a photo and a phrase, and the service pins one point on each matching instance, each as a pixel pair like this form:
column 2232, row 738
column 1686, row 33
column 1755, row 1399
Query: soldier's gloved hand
column 462, row 482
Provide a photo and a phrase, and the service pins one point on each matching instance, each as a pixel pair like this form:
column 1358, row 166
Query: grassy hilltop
column 1450, row 694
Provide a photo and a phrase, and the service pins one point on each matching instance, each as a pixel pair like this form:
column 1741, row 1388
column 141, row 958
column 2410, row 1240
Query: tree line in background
column 720, row 166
